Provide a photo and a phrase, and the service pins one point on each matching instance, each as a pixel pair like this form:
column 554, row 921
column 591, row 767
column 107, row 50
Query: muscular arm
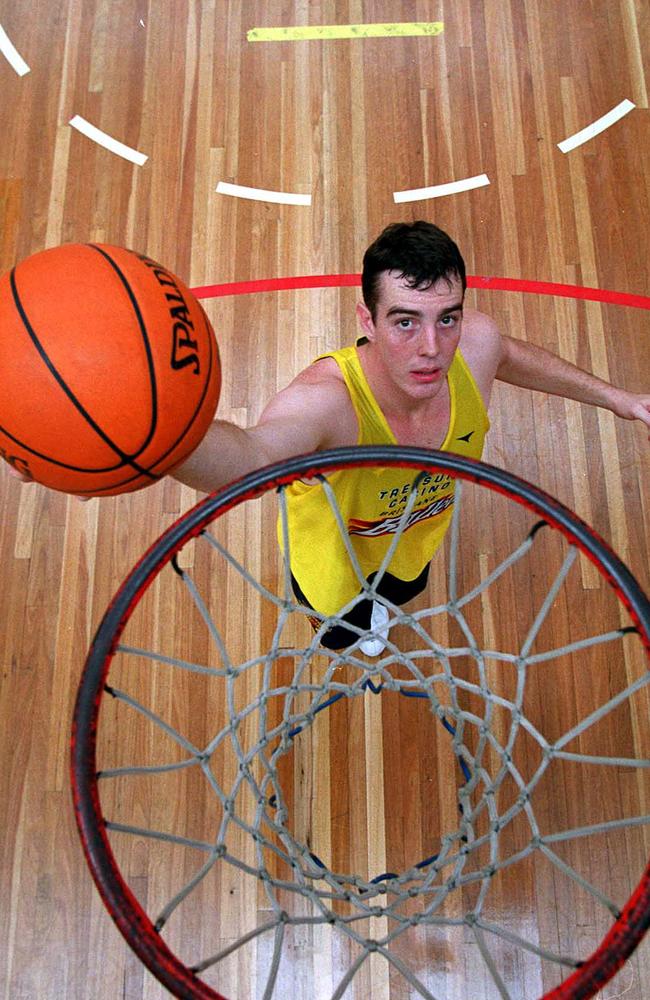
column 296, row 421
column 227, row 452
column 533, row 367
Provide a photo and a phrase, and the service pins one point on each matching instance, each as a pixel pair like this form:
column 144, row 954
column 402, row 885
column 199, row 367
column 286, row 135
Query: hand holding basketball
column 110, row 367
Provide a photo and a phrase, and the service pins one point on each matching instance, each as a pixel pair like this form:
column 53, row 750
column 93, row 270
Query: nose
column 428, row 343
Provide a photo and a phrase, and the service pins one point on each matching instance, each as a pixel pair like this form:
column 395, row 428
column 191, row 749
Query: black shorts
column 391, row 587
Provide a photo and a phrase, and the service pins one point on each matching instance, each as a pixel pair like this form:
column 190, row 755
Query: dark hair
column 420, row 251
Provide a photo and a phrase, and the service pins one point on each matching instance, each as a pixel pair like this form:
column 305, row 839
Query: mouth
column 425, row 374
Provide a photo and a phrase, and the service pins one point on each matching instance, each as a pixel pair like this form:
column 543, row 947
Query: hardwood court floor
column 348, row 122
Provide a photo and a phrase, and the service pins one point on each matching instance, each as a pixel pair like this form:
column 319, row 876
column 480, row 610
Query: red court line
column 473, row 281
column 277, row 285
column 564, row 291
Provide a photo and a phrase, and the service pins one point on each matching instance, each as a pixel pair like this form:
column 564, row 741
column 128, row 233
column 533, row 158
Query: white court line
column 258, row 194
column 455, row 187
column 107, row 141
column 596, row 127
column 11, row 54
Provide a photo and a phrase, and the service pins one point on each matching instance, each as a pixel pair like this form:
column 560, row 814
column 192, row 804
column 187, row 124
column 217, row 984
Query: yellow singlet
column 371, row 500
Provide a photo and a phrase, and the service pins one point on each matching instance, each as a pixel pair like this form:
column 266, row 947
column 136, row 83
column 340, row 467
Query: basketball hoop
column 235, row 825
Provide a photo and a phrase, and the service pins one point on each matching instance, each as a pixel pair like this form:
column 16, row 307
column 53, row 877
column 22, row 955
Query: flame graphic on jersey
column 389, row 525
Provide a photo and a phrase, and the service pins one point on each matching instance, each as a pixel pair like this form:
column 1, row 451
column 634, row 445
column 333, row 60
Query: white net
column 485, row 740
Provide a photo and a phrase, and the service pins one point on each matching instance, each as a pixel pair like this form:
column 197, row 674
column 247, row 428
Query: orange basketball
column 110, row 369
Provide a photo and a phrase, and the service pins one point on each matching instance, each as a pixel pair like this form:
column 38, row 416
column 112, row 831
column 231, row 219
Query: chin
column 425, row 388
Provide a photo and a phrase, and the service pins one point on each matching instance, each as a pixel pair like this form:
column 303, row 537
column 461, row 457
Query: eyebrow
column 400, row 311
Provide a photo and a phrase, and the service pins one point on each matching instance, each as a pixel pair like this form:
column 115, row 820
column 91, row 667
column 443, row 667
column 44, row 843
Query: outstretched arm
column 296, row 421
column 300, row 419
column 533, row 367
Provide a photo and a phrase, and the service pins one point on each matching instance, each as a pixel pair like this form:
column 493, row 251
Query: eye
column 449, row 320
column 401, row 323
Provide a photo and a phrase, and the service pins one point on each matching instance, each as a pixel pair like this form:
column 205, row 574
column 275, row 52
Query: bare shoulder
column 325, row 371
column 480, row 332
column 482, row 347
column 323, row 382
column 317, row 396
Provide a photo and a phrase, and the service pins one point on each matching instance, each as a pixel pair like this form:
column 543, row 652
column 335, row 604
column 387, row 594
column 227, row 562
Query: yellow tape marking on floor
column 329, row 31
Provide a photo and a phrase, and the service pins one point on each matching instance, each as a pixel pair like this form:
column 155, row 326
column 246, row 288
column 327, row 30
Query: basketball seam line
column 145, row 340
column 56, row 462
column 206, row 387
column 76, row 403
column 190, row 422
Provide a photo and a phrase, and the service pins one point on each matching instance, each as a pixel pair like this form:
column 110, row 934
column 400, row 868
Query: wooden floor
column 348, row 122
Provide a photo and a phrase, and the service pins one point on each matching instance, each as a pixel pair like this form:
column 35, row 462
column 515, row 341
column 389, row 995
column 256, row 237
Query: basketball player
column 421, row 374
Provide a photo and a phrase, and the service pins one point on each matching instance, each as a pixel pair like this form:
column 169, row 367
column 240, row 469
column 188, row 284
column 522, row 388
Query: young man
column 420, row 374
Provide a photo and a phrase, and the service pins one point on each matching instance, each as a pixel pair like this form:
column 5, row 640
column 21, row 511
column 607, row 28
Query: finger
column 15, row 474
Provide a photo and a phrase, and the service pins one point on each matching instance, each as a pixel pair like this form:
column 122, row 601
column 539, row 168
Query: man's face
column 415, row 332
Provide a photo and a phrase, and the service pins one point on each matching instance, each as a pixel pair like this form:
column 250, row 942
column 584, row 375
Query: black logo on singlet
column 465, row 437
